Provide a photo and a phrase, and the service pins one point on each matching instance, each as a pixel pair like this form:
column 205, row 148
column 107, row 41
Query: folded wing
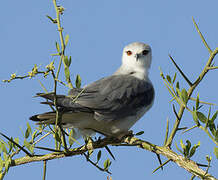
column 110, row 98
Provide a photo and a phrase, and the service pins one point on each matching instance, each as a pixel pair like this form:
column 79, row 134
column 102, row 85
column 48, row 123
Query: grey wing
column 113, row 97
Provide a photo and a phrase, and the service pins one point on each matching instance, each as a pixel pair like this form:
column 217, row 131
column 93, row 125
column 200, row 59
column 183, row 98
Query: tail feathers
column 47, row 103
column 49, row 96
column 46, row 118
column 78, row 121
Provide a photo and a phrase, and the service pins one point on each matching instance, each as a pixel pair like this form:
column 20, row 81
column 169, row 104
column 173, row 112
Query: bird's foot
column 125, row 134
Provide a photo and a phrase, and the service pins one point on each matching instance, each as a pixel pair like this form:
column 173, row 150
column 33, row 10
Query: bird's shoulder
column 115, row 87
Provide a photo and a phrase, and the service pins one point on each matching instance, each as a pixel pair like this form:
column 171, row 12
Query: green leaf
column 51, row 19
column 66, row 39
column 182, row 144
column 183, row 147
column 216, row 136
column 208, row 118
column 195, row 117
column 67, row 74
column 215, row 150
column 28, row 145
column 184, row 95
column 57, row 137
column 169, row 79
column 178, row 92
column 10, row 144
column 98, row 156
column 201, row 117
column 107, row 164
column 27, row 134
column 34, row 136
column 1, row 164
column 139, row 133
column 193, row 149
column 17, row 141
column 197, row 102
column 28, row 131
column 57, row 47
column 66, row 61
column 212, row 128
column 161, row 74
column 177, row 85
column 214, row 116
column 69, row 61
column 78, row 81
column 174, row 77
column 90, row 151
column 188, row 146
column 177, row 89
column 29, row 127
column 178, row 149
column 208, row 158
column 3, row 147
column 5, row 156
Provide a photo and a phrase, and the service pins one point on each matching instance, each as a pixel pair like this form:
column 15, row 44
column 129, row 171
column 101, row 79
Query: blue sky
column 98, row 32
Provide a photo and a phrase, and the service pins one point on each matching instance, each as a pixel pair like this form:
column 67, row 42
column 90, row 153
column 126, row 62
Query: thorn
column 24, row 150
column 178, row 68
column 109, row 151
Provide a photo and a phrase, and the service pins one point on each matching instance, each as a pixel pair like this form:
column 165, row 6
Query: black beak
column 137, row 57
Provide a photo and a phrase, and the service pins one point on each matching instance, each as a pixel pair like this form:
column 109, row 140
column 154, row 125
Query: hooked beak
column 137, row 57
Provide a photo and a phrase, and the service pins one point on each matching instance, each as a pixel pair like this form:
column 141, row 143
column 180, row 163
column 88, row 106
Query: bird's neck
column 140, row 73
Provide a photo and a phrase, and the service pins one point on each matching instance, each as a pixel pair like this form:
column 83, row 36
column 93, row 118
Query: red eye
column 129, row 53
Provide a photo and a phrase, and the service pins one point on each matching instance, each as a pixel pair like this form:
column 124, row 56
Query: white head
column 136, row 59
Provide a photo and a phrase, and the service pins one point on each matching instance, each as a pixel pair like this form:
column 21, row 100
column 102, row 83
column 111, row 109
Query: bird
column 111, row 105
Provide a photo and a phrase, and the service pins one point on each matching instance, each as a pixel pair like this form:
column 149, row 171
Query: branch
column 59, row 11
column 187, row 164
column 190, row 91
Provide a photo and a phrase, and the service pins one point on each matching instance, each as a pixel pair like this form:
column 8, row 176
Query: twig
column 94, row 164
column 19, row 146
column 42, row 138
column 205, row 70
column 167, row 131
column 202, row 102
column 61, row 82
column 64, row 139
column 202, row 37
column 161, row 166
column 193, row 176
column 208, row 166
column 189, row 129
column 60, row 30
column 207, row 132
column 174, row 110
column 2, row 174
column 213, row 67
column 44, row 169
